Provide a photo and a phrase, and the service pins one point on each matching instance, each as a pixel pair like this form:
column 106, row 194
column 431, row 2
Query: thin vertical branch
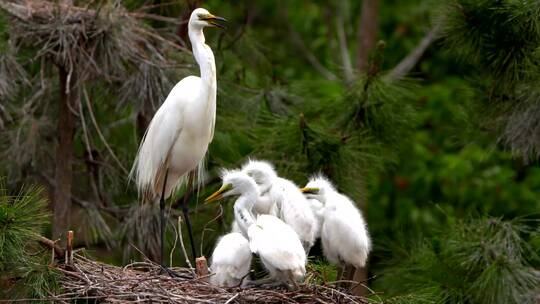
column 69, row 248
column 182, row 243
column 348, row 70
column 94, row 121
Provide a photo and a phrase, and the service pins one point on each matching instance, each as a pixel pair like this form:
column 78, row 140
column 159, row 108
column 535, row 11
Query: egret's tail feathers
column 360, row 258
column 147, row 169
column 297, row 274
column 225, row 276
column 200, row 174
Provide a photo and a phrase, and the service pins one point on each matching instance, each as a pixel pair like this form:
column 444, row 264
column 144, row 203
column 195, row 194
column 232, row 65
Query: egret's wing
column 152, row 158
column 280, row 245
column 212, row 127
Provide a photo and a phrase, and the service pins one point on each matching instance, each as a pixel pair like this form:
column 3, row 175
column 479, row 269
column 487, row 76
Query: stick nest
column 142, row 282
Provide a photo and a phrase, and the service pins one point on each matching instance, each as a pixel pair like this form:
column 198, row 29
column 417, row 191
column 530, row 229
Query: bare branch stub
column 202, row 268
column 69, row 248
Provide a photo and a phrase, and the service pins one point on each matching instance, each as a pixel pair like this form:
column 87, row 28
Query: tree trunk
column 64, row 152
column 368, row 27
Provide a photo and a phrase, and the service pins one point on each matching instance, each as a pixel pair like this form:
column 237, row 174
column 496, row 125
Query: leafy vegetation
column 475, row 261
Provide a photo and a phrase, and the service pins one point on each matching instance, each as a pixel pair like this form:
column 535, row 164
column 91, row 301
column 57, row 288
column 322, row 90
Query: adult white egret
column 282, row 198
column 178, row 135
column 231, row 260
column 344, row 235
column 276, row 243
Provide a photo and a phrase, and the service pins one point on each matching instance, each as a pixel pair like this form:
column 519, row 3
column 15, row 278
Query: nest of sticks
column 86, row 279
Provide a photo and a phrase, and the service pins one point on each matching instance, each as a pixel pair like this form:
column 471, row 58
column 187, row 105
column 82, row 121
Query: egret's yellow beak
column 214, row 20
column 218, row 194
column 309, row 190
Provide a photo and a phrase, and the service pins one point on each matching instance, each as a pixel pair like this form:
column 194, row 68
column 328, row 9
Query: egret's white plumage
column 276, row 243
column 282, row 198
column 344, row 235
column 178, row 135
column 230, row 260
column 235, row 227
column 279, row 248
column 265, row 177
column 317, row 207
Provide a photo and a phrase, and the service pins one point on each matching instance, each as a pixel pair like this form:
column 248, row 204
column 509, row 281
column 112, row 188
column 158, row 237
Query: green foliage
column 22, row 218
column 477, row 261
column 500, row 39
column 380, row 107
column 321, row 272
column 449, row 169
column 499, row 36
column 22, row 262
column 39, row 280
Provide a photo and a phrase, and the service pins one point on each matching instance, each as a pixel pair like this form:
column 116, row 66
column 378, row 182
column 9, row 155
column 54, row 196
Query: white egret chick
column 279, row 248
column 235, row 227
column 317, row 207
column 344, row 235
column 231, row 260
column 178, row 136
column 276, row 243
column 282, row 198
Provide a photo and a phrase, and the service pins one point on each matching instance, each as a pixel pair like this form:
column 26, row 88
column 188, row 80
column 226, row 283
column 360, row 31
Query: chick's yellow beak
column 309, row 190
column 218, row 194
column 214, row 20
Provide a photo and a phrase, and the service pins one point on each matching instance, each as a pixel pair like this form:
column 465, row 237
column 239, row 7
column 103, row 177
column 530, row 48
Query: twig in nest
column 220, row 214
column 182, row 245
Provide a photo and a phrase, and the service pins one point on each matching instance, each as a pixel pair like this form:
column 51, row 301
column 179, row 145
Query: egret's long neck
column 203, row 55
column 242, row 209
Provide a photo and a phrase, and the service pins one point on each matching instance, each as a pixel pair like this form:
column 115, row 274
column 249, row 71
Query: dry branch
column 58, row 252
column 310, row 57
column 408, row 63
column 348, row 70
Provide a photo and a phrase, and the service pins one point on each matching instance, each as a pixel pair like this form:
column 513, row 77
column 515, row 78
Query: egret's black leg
column 185, row 210
column 162, row 221
column 162, row 229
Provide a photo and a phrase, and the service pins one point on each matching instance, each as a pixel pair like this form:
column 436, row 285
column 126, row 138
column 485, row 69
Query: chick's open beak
column 218, row 194
column 215, row 20
column 308, row 190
